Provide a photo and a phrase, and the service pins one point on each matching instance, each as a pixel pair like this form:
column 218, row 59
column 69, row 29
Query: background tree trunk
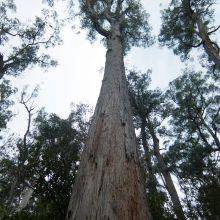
column 170, row 186
column 178, row 210
column 109, row 184
column 152, row 180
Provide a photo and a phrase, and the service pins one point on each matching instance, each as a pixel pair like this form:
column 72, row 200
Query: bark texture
column 109, row 183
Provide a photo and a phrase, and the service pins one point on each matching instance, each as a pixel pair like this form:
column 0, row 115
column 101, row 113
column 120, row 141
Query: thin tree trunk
column 167, row 177
column 1, row 65
column 152, row 181
column 109, row 184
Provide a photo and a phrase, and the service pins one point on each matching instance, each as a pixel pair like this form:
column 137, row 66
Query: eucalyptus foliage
column 188, row 24
column 49, row 166
column 6, row 91
column 22, row 44
column 194, row 107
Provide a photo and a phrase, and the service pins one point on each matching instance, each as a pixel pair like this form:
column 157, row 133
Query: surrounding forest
column 142, row 153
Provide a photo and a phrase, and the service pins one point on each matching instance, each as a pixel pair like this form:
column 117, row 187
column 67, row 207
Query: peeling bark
column 109, row 184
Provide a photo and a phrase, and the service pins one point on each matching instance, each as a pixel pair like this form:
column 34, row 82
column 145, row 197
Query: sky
column 78, row 77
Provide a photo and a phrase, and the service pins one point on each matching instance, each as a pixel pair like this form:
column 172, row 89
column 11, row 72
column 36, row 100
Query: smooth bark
column 109, row 184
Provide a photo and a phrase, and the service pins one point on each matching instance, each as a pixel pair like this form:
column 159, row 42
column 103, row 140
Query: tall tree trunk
column 109, row 184
column 167, row 177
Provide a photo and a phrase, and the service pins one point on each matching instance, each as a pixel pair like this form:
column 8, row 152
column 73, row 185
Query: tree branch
column 107, row 11
column 119, row 7
column 213, row 121
column 99, row 28
column 207, row 8
column 6, row 31
column 29, row 111
column 95, row 18
column 1, row 66
column 33, row 43
column 190, row 45
column 210, row 32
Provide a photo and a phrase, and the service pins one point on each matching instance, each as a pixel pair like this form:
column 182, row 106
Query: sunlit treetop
column 101, row 16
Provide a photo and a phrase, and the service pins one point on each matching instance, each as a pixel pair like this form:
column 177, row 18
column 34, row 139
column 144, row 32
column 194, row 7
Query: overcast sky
column 78, row 76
